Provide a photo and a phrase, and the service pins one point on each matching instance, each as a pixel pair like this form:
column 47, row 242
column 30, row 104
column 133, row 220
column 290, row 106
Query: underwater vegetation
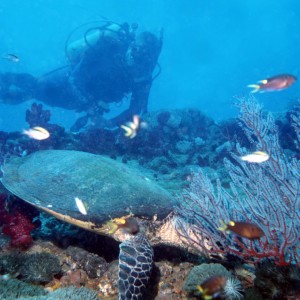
column 265, row 194
column 37, row 116
column 16, row 222
column 16, row 289
column 94, row 265
column 71, row 293
column 246, row 218
column 33, row 268
column 262, row 195
column 275, row 282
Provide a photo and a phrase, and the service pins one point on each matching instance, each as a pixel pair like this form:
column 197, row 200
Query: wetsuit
column 118, row 65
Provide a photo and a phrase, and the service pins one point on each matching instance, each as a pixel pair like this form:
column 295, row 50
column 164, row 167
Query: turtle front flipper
column 135, row 265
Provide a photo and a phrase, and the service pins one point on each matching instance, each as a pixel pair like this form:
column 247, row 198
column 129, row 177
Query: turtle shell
column 51, row 179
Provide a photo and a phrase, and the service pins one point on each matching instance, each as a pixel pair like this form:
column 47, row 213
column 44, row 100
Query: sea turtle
column 51, row 180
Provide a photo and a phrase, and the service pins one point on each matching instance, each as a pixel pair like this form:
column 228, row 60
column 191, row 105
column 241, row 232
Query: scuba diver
column 108, row 64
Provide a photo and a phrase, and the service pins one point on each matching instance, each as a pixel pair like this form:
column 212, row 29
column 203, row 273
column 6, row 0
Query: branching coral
column 266, row 194
column 37, row 116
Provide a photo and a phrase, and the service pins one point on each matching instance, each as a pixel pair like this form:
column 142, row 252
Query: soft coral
column 17, row 224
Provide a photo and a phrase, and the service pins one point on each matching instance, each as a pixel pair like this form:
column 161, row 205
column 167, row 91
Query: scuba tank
column 76, row 48
column 116, row 31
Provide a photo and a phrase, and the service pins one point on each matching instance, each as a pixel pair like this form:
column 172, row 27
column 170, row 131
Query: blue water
column 211, row 51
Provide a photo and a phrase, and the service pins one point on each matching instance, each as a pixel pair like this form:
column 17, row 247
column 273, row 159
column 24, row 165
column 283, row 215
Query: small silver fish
column 37, row 133
column 81, row 206
column 256, row 157
column 11, row 57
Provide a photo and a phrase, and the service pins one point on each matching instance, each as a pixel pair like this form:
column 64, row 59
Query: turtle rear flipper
column 135, row 265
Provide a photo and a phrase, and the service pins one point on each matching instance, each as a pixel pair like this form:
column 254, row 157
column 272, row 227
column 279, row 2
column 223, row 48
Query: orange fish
column 212, row 287
column 275, row 83
column 244, row 229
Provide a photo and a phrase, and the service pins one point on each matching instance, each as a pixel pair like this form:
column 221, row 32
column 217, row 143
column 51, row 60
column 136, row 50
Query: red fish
column 212, row 287
column 276, row 83
column 244, row 229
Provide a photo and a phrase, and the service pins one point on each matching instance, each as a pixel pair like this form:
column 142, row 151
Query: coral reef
column 37, row 116
column 166, row 282
column 275, row 282
column 33, row 268
column 9, row 145
column 253, row 294
column 77, row 278
column 16, row 289
column 169, row 278
column 232, row 289
column 264, row 194
column 39, row 267
column 202, row 272
column 68, row 293
column 18, row 227
column 72, row 293
column 176, row 137
column 63, row 234
column 17, row 223
column 50, row 228
column 108, row 283
column 94, row 265
column 180, row 140
column 17, row 144
column 174, row 143
column 10, row 263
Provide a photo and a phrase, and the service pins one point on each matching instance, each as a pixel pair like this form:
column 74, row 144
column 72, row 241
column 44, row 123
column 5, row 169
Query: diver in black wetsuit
column 110, row 63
